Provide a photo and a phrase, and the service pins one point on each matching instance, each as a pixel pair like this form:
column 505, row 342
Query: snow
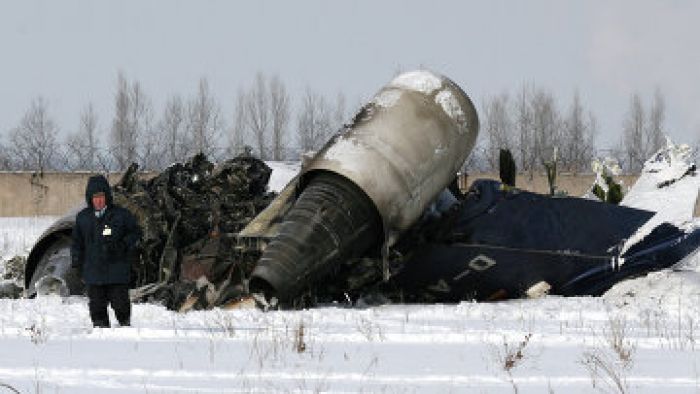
column 395, row 348
column 282, row 173
column 17, row 235
column 419, row 81
column 607, row 167
column 451, row 106
column 347, row 150
column 387, row 98
column 640, row 337
column 673, row 203
column 667, row 166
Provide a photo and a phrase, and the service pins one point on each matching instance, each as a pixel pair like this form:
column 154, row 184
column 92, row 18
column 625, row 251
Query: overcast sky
column 70, row 51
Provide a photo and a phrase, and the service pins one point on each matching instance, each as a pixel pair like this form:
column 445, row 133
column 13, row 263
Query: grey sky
column 70, row 51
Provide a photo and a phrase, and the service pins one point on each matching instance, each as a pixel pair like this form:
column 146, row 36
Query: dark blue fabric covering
column 492, row 215
column 499, row 242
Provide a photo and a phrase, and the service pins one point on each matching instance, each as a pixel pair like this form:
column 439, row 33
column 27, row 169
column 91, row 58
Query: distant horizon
column 70, row 53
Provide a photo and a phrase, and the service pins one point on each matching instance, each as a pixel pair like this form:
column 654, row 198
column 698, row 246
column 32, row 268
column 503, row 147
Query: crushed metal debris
column 13, row 277
column 190, row 214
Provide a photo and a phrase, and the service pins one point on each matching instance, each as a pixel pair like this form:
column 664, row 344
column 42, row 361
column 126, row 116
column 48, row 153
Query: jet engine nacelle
column 370, row 182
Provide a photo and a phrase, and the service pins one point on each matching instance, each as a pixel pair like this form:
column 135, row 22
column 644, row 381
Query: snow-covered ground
column 640, row 337
column 17, row 235
column 547, row 345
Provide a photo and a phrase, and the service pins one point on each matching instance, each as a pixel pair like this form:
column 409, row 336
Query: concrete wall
column 574, row 185
column 54, row 193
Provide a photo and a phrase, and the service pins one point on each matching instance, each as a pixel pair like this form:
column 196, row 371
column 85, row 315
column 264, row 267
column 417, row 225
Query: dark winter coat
column 104, row 247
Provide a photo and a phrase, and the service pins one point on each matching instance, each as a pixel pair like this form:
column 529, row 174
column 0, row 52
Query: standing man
column 105, row 239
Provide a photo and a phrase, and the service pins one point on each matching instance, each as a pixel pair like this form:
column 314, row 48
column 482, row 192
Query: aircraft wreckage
column 368, row 219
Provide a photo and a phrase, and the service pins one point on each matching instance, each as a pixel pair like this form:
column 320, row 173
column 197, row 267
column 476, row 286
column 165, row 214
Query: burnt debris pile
column 190, row 215
column 12, row 277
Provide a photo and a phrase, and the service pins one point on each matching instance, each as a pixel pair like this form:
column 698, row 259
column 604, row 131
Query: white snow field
column 18, row 234
column 640, row 337
column 548, row 345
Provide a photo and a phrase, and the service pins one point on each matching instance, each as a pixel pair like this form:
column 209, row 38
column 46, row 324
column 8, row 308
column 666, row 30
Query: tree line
column 530, row 123
column 537, row 130
column 261, row 124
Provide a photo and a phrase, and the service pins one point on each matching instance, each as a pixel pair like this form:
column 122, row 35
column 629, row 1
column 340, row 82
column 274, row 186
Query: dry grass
column 606, row 374
column 299, row 343
column 617, row 339
column 512, row 355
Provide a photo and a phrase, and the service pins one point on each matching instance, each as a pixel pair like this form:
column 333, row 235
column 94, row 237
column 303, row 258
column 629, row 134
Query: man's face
column 99, row 201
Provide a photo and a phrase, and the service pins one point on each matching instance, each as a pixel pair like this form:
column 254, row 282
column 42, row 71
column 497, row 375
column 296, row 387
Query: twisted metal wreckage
column 367, row 220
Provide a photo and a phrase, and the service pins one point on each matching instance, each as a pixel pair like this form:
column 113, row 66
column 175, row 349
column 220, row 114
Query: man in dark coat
column 105, row 239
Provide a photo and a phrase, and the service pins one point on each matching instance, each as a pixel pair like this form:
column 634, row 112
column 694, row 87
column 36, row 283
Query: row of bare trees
column 537, row 130
column 262, row 124
column 530, row 123
column 643, row 134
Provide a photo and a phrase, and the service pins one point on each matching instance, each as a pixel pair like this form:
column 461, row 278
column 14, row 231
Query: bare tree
column 204, row 120
column 478, row 160
column 122, row 140
column 141, row 119
column 546, row 125
column 33, row 143
column 237, row 134
column 151, row 150
column 82, row 147
column 176, row 145
column 497, row 125
column 577, row 146
column 123, row 137
column 655, row 138
column 339, row 115
column 132, row 122
column 633, row 135
column 258, row 114
column 5, row 158
column 592, row 134
column 313, row 122
column 526, row 154
column 279, row 107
